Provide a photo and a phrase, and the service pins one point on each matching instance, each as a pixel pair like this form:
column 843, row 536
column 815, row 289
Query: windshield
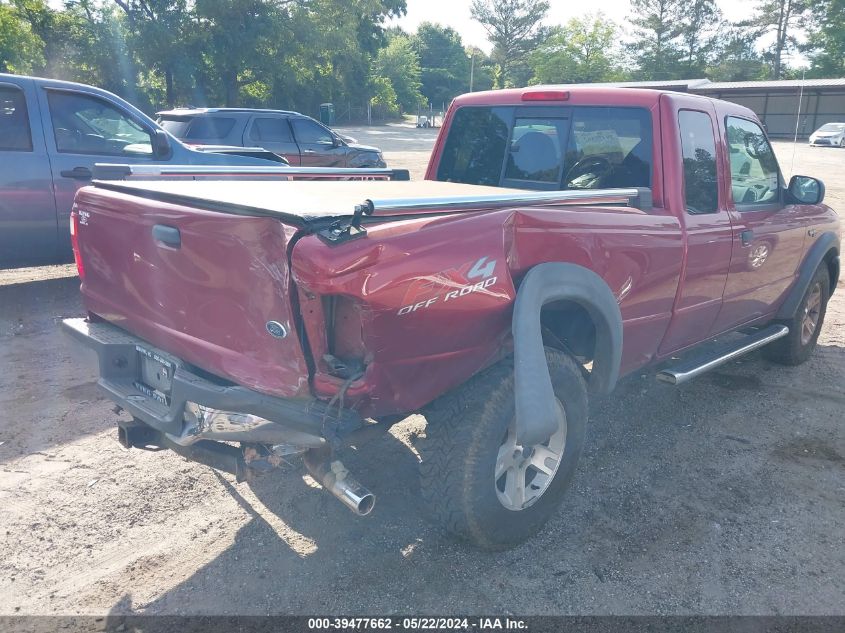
column 832, row 127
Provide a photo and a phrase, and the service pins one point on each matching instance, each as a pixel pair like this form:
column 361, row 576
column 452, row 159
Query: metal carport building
column 776, row 102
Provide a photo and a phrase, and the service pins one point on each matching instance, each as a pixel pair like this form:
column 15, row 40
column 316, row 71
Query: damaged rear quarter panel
column 435, row 295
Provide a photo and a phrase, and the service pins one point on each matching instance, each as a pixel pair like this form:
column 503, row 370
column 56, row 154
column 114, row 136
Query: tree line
column 298, row 53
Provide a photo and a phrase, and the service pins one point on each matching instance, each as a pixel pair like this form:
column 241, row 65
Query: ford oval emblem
column 276, row 329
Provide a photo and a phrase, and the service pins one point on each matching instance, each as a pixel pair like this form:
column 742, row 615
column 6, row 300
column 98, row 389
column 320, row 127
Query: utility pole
column 471, row 68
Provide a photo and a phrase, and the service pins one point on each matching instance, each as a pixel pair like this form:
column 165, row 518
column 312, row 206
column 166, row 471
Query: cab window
column 755, row 177
column 609, row 148
column 83, row 124
column 15, row 134
column 475, row 146
column 698, row 145
column 583, row 147
column 535, row 150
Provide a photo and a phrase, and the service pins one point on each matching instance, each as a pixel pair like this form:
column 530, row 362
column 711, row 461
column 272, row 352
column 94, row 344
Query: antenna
column 797, row 119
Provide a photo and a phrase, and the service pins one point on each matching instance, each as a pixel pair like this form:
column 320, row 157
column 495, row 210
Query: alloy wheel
column 523, row 474
column 812, row 310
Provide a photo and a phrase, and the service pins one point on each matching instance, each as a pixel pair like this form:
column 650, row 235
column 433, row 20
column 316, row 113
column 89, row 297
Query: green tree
column 384, row 101
column 514, row 27
column 328, row 52
column 736, row 57
column 95, row 50
column 237, row 42
column 482, row 68
column 85, row 42
column 826, row 38
column 20, row 48
column 400, row 64
column 444, row 64
column 781, row 18
column 655, row 45
column 582, row 51
column 279, row 53
column 161, row 37
column 699, row 36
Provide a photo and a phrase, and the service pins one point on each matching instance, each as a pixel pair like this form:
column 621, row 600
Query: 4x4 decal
column 449, row 285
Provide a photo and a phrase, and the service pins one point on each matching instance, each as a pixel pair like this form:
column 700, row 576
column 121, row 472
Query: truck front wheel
column 476, row 480
column 805, row 327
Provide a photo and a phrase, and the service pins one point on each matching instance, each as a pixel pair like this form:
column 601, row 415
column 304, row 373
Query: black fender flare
column 536, row 408
column 824, row 244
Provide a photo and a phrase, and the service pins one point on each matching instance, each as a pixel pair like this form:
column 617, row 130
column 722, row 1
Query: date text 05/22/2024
column 419, row 624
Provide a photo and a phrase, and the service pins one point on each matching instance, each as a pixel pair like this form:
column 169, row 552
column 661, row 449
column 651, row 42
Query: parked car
column 252, row 152
column 829, row 134
column 299, row 138
column 564, row 238
column 51, row 135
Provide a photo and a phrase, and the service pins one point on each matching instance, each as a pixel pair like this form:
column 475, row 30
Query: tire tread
column 455, row 424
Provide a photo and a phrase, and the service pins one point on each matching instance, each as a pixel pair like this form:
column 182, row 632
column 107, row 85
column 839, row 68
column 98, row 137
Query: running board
column 694, row 367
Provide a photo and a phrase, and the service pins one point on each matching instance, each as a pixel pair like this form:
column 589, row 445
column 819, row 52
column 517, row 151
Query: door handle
column 167, row 235
column 77, row 173
column 747, row 237
column 309, row 151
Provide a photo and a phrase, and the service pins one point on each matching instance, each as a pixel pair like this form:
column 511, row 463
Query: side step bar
column 693, row 367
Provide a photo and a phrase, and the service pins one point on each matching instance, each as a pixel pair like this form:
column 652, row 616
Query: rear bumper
column 197, row 407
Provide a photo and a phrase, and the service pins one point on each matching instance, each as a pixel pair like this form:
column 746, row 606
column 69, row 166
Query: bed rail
column 348, row 229
column 111, row 172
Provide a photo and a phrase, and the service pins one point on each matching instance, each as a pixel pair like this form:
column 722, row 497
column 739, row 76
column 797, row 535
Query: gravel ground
column 724, row 496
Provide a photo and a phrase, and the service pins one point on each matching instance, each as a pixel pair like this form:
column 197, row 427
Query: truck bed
column 297, row 203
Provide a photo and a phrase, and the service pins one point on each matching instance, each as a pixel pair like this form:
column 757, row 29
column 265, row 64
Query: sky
column 455, row 13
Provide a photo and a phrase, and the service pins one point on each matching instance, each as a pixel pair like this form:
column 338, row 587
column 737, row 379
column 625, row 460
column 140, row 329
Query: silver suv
column 300, row 139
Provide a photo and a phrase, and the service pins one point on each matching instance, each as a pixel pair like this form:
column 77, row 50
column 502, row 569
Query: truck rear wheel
column 805, row 327
column 476, row 480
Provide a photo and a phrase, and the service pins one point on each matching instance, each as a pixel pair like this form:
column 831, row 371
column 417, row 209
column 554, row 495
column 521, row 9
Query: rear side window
column 475, row 147
column 209, row 128
column 15, row 134
column 698, row 144
column 271, row 129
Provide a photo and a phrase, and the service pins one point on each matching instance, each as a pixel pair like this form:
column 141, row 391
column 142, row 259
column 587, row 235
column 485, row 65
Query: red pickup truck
column 561, row 239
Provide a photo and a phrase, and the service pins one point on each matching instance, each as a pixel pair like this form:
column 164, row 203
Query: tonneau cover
column 295, row 202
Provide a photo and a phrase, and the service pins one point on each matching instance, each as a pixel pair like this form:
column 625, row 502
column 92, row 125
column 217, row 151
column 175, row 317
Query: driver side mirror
column 806, row 190
column 161, row 145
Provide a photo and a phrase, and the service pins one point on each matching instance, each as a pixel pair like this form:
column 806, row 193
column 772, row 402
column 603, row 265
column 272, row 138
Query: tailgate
column 211, row 288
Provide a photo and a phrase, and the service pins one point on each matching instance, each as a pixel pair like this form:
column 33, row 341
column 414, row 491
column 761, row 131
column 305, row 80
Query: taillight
column 74, row 242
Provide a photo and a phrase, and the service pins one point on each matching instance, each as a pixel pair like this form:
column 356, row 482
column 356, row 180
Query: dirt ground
column 723, row 496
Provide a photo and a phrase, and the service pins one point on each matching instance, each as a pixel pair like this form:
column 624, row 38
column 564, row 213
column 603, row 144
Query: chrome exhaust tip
column 335, row 478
